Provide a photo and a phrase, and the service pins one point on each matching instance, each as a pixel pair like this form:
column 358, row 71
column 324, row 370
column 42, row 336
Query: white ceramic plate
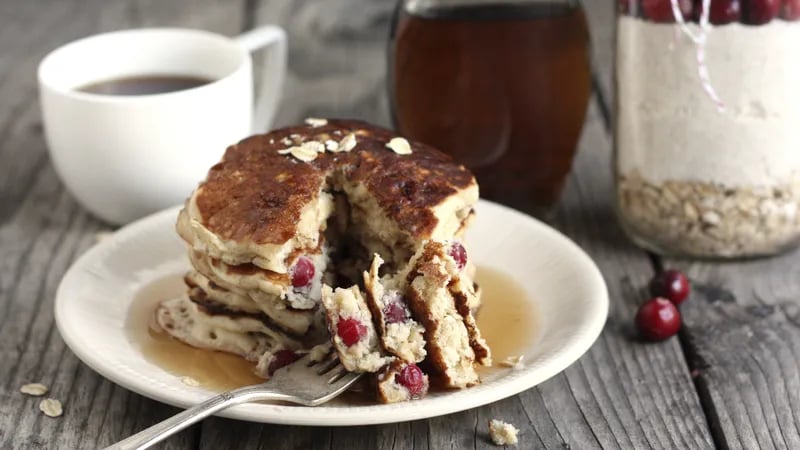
column 561, row 281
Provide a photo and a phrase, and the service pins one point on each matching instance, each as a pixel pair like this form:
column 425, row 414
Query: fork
column 304, row 382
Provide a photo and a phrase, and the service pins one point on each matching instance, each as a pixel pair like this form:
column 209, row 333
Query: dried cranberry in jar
column 661, row 10
column 791, row 9
column 760, row 12
column 723, row 11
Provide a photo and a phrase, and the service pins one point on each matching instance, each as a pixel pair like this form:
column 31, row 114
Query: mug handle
column 272, row 74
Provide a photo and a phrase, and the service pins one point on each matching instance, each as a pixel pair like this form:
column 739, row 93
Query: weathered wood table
column 731, row 379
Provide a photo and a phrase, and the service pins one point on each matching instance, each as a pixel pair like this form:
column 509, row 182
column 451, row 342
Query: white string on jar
column 699, row 40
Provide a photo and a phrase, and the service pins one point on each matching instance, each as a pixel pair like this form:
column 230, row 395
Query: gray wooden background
column 730, row 380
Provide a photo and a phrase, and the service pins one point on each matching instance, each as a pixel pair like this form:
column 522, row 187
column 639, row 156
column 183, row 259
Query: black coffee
column 144, row 85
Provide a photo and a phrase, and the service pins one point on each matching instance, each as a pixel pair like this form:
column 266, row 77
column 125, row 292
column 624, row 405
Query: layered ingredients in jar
column 708, row 125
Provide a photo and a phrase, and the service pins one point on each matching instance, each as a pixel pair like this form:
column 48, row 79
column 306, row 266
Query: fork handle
column 178, row 422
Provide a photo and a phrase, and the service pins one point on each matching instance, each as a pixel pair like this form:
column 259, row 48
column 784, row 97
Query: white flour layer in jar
column 669, row 129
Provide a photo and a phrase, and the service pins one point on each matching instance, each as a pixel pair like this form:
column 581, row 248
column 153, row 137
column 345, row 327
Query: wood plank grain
column 742, row 335
column 42, row 231
column 643, row 392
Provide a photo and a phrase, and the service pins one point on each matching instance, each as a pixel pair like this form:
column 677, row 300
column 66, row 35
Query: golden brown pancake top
column 257, row 194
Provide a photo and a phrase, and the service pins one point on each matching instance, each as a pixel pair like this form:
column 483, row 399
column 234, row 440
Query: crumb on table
column 502, row 433
column 34, row 389
column 51, row 407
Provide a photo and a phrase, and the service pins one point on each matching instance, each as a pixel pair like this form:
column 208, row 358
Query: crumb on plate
column 514, row 362
column 189, row 381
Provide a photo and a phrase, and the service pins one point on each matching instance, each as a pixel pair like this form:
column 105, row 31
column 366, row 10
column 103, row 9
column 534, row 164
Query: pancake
column 201, row 288
column 240, row 334
column 262, row 207
column 286, row 218
column 248, row 278
column 439, row 301
column 351, row 330
column 465, row 296
column 295, row 321
column 400, row 334
column 393, row 379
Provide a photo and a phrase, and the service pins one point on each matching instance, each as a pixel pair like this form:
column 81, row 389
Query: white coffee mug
column 124, row 157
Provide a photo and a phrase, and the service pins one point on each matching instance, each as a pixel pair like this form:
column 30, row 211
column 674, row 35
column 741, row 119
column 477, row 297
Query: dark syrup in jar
column 502, row 88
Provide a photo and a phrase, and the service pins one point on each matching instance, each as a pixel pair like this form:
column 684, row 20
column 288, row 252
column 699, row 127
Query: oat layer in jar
column 707, row 132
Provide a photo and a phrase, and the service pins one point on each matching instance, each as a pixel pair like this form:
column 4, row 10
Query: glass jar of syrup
column 502, row 86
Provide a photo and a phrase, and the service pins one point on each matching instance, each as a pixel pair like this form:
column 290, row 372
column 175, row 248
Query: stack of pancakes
column 288, row 218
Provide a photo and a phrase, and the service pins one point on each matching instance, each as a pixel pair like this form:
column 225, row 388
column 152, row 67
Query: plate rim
column 299, row 415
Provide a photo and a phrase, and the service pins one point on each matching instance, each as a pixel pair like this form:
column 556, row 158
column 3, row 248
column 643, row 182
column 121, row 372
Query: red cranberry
column 459, row 254
column 658, row 319
column 302, row 272
column 412, row 378
column 661, row 10
column 395, row 312
column 724, row 11
column 350, row 331
column 670, row 284
column 759, row 12
column 282, row 358
column 791, row 9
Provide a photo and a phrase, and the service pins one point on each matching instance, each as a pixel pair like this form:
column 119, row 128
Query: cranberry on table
column 759, row 12
column 302, row 272
column 282, row 358
column 459, row 254
column 658, row 319
column 350, row 330
column 412, row 378
column 723, row 11
column 791, row 9
column 661, row 10
column 670, row 284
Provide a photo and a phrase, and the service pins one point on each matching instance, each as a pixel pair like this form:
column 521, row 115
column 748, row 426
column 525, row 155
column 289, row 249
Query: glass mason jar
column 707, row 131
column 502, row 85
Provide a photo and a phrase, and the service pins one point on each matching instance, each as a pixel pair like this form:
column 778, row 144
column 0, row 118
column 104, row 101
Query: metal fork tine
column 339, row 372
column 312, row 382
column 296, row 382
column 346, row 378
column 331, row 355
